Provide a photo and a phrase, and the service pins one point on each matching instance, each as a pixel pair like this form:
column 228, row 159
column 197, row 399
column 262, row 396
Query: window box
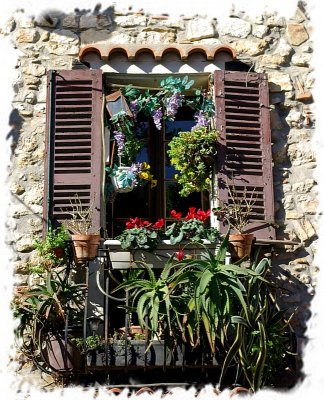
column 123, row 259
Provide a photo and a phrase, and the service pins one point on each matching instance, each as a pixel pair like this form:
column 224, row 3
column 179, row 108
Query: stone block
column 294, row 118
column 26, row 36
column 234, row 27
column 260, row 31
column 16, row 188
column 71, row 21
column 251, row 47
column 130, row 21
column 279, row 81
column 121, row 38
column 172, row 22
column 36, row 70
column 301, row 60
column 296, row 34
column 303, row 229
column 199, row 28
column 276, row 21
column 155, row 37
column 304, row 186
column 301, row 152
column 273, row 60
column 307, row 203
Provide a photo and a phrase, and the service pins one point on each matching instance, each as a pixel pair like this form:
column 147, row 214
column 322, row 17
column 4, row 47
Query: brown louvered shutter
column 74, row 143
column 244, row 154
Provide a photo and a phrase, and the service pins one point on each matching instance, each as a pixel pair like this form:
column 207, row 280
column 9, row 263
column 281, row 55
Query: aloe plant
column 45, row 307
column 151, row 298
column 264, row 340
column 216, row 292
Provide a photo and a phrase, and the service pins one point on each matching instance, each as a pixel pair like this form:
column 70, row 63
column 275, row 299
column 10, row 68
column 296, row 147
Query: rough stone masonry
column 281, row 48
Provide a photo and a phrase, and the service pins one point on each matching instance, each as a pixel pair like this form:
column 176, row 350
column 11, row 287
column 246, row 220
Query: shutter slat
column 74, row 151
column 244, row 152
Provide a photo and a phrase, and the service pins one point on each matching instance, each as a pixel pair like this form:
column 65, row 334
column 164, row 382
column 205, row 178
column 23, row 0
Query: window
column 155, row 203
column 74, row 148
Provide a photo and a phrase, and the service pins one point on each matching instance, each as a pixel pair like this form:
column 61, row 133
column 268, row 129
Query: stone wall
column 279, row 47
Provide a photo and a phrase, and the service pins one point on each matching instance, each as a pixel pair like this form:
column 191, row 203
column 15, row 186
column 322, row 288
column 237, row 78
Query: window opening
column 159, row 201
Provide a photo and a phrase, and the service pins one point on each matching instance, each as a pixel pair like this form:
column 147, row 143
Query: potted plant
column 263, row 342
column 85, row 240
column 141, row 234
column 94, row 348
column 192, row 154
column 52, row 249
column 125, row 179
column 193, row 227
column 213, row 289
column 50, row 313
column 237, row 212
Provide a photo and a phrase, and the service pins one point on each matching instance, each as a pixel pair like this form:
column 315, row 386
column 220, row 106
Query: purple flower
column 157, row 116
column 201, row 120
column 120, row 141
column 133, row 106
column 172, row 105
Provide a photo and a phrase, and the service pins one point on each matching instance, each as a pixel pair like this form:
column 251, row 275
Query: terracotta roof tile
column 158, row 51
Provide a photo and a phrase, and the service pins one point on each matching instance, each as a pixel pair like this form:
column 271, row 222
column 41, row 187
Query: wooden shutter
column 74, row 143
column 244, row 154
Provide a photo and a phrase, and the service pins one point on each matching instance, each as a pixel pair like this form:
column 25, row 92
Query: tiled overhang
column 158, row 51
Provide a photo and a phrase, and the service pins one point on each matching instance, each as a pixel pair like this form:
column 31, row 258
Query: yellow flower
column 143, row 175
column 145, row 166
column 153, row 183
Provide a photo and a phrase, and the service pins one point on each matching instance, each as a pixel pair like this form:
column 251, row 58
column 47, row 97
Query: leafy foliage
column 216, row 289
column 141, row 234
column 192, row 227
column 48, row 250
column 264, row 343
column 45, row 306
column 192, row 154
column 151, row 299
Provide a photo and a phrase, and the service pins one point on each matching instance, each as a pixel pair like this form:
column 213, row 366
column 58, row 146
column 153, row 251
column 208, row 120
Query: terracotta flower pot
column 61, row 356
column 240, row 245
column 85, row 247
column 58, row 252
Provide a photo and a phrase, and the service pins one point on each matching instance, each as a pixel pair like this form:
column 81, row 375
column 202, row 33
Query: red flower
column 202, row 215
column 180, row 255
column 159, row 224
column 176, row 215
column 191, row 213
column 129, row 225
column 145, row 223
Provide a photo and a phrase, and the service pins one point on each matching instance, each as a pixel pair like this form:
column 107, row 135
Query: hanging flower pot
column 240, row 245
column 124, row 180
column 85, row 247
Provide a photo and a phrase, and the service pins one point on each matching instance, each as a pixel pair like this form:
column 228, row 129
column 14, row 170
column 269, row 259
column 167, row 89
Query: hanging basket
column 240, row 245
column 85, row 247
column 123, row 181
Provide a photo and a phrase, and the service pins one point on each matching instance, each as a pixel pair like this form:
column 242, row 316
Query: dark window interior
column 157, row 202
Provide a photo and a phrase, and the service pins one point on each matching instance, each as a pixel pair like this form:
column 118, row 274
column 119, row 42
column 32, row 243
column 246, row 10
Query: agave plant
column 264, row 342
